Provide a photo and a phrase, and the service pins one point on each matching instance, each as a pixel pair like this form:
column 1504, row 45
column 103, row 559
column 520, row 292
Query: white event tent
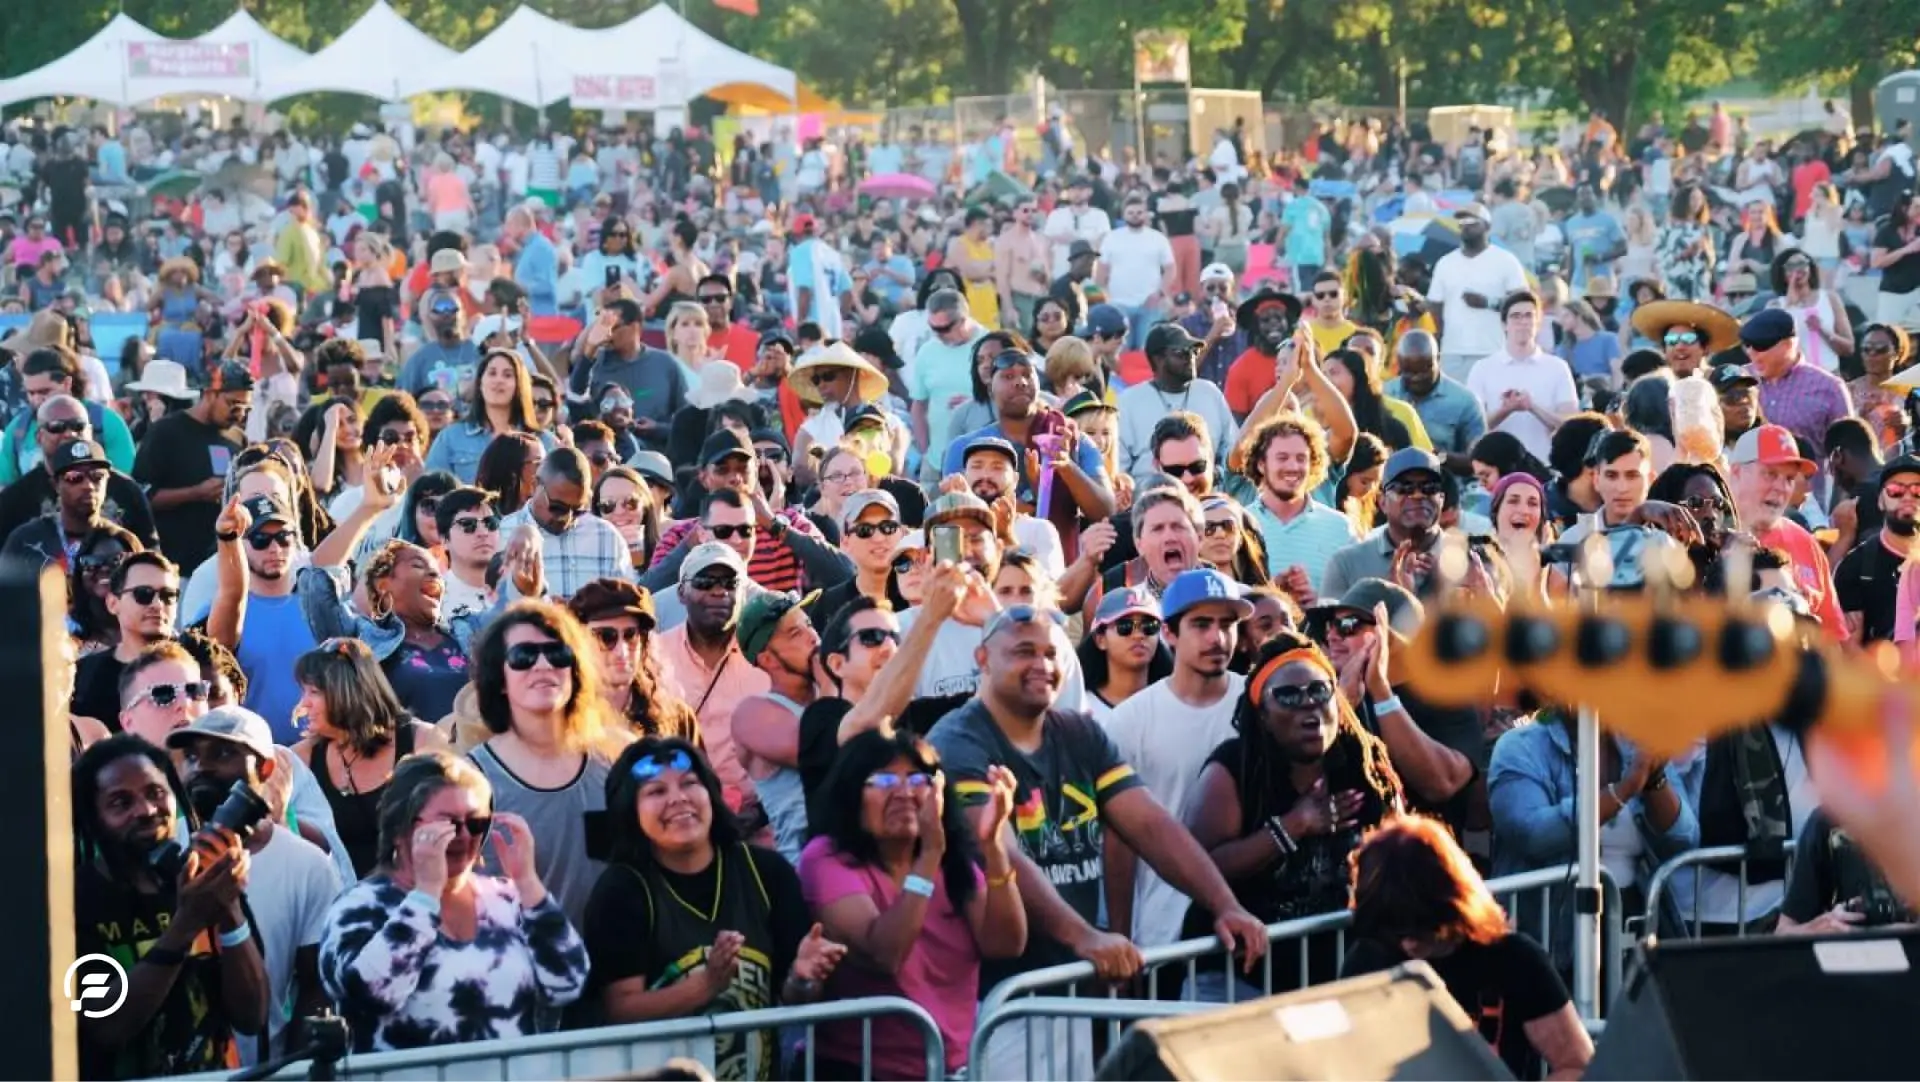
column 370, row 57
column 127, row 64
column 522, row 60
column 658, row 57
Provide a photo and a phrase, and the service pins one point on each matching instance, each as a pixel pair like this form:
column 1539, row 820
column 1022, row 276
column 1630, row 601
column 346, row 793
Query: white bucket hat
column 168, row 379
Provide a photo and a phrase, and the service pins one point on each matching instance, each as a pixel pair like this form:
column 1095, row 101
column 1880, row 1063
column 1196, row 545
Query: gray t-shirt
column 653, row 378
column 437, row 365
column 558, row 818
column 1060, row 792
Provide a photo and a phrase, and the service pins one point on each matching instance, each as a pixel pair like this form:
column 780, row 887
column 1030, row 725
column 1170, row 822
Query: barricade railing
column 608, row 1051
column 1114, row 1012
column 1692, row 864
column 1541, row 919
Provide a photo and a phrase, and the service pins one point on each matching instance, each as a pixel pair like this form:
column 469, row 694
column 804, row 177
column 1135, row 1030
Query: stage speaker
column 1400, row 1024
column 1782, row 1007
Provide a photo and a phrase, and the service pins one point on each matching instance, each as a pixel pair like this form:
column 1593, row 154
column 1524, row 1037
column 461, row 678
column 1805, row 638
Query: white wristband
column 1389, row 705
column 918, row 884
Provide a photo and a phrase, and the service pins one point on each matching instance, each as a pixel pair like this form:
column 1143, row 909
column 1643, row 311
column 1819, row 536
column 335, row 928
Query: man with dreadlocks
column 1283, row 803
column 170, row 911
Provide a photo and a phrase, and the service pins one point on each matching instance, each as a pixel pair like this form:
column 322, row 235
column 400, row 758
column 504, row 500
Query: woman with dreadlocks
column 1283, row 804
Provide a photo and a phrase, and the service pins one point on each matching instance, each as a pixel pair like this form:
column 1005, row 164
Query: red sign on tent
column 744, row 7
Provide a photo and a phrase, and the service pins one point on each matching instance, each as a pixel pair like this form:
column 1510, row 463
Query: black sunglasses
column 871, row 637
column 475, row 826
column 611, row 637
column 1306, row 696
column 942, row 328
column 522, row 656
column 715, row 298
column 625, row 503
column 146, row 595
column 391, row 438
column 565, row 512
column 1429, row 489
column 1196, row 468
column 1345, row 625
column 435, row 405
column 903, row 564
column 87, row 476
column 65, row 428
column 100, row 565
column 474, row 525
column 542, row 405
column 1219, row 527
column 728, row 533
column 707, row 584
column 865, row 530
column 1146, row 625
column 262, row 541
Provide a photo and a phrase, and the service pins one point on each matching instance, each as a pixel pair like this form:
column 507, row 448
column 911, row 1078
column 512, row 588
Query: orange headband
column 1308, row 654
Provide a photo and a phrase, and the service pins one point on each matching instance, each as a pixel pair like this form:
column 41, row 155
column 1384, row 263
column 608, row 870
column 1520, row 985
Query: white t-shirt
column 1039, row 537
column 951, row 670
column 486, row 159
column 1545, row 378
column 1494, row 273
column 1136, row 261
column 461, row 599
column 289, row 890
column 1067, row 223
column 1167, row 742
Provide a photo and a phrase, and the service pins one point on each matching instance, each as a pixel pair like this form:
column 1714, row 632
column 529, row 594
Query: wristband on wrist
column 1389, row 705
column 230, row 940
column 918, row 884
column 1277, row 830
column 226, row 537
column 424, row 900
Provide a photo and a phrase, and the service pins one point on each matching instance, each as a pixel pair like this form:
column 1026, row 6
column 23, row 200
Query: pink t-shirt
column 942, row 974
column 446, row 192
column 26, row 252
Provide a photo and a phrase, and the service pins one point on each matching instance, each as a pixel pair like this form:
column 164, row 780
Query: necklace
column 1188, row 393
column 719, row 887
column 346, row 768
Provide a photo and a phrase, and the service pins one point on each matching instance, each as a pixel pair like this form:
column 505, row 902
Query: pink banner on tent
column 616, row 92
column 189, row 59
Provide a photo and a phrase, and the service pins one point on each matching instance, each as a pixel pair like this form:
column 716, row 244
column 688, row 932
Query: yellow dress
column 982, row 298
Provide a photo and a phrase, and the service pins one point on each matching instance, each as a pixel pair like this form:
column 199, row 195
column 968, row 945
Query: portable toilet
column 1897, row 98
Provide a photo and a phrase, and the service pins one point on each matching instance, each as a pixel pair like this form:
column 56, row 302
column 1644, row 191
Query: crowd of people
column 635, row 583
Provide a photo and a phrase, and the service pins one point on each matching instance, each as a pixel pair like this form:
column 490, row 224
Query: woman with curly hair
column 620, row 618
column 1885, row 349
column 1284, row 803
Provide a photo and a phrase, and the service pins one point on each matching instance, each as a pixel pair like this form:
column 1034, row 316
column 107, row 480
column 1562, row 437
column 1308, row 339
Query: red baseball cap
column 1769, row 445
column 801, row 225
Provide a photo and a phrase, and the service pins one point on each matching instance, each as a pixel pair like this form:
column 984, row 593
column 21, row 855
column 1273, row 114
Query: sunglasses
column 707, row 584
column 1147, row 626
column 1429, row 489
column 770, row 454
column 391, row 438
column 168, row 694
column 600, row 457
column 884, row 782
column 543, row 405
column 1219, row 528
column 262, row 541
column 1215, row 289
column 147, row 595
column 435, row 405
column 1196, row 468
column 1876, row 349
column 65, row 428
column 1320, row 296
column 1346, row 626
column 865, row 530
column 625, row 503
column 522, row 656
column 1306, row 696
column 1011, row 359
column 1900, row 491
column 475, row 826
column 1683, row 338
column 904, row 564
column 564, row 512
column 728, row 533
column 474, row 525
column 1712, row 504
column 101, row 565
column 872, row 637
column 611, row 637
column 652, row 766
column 88, row 476
column 716, row 298
column 942, row 328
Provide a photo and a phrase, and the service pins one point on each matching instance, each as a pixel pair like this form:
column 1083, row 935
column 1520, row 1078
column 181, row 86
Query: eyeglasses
column 164, row 695
column 474, row 524
column 86, row 476
column 475, row 826
column 650, row 767
column 707, row 584
column 1146, row 625
column 435, row 405
column 865, row 530
column 1899, row 491
column 1429, row 489
column 884, row 782
column 845, row 477
column 872, row 637
column 1306, row 696
column 262, row 541
column 611, row 637
column 728, row 533
column 65, row 428
column 522, row 656
column 1683, row 338
column 625, row 503
column 1196, row 468
column 543, row 405
column 1220, row 527
column 147, row 595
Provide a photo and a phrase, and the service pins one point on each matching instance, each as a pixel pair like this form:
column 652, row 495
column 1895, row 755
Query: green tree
column 1855, row 43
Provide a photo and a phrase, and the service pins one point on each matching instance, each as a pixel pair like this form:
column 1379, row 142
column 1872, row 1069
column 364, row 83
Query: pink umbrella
column 897, row 186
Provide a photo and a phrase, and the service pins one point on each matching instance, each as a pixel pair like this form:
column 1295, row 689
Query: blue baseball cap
column 1106, row 320
column 1131, row 601
column 1200, row 586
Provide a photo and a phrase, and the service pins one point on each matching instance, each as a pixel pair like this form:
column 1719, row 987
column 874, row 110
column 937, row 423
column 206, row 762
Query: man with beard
column 446, row 359
column 951, row 673
column 1766, row 466
column 1450, row 413
column 1170, row 352
column 143, row 595
column 1167, row 731
column 291, row 883
column 1464, row 295
column 184, row 458
column 256, row 613
column 1739, row 400
column 61, row 419
column 992, row 472
column 81, row 471
column 156, row 903
column 1268, row 317
column 702, row 662
column 1868, row 578
column 1021, row 420
column 1286, row 461
column 776, row 635
column 576, row 545
column 1411, row 491
column 1074, row 788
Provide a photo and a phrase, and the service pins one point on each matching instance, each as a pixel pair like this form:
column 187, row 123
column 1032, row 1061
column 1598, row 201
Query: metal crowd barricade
column 1031, row 994
column 609, row 1051
column 1693, row 863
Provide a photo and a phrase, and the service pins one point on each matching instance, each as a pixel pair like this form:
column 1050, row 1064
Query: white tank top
column 1812, row 346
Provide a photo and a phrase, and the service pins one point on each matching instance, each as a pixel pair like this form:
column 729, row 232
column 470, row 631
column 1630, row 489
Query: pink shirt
column 26, row 253
column 446, row 192
column 942, row 973
column 713, row 693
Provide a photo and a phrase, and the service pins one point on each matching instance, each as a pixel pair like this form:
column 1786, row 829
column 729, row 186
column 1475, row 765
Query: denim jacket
column 325, row 598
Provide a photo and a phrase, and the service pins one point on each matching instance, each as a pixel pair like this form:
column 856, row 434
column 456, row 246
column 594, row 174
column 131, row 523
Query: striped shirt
column 774, row 566
column 590, row 549
column 1309, row 539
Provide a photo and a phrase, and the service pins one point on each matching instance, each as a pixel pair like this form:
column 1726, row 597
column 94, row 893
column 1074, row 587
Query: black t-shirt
column 1902, row 275
column 96, row 688
column 180, row 452
column 1829, row 869
column 67, row 189
column 189, row 1033
column 33, row 496
column 1865, row 582
column 819, row 746
column 373, row 306
column 1502, row 986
